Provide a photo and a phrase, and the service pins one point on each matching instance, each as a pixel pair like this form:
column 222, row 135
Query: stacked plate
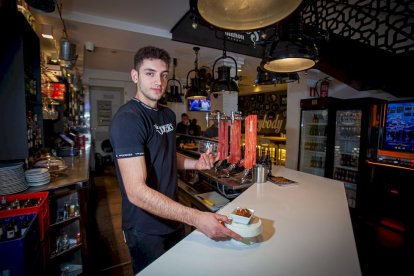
column 12, row 178
column 37, row 177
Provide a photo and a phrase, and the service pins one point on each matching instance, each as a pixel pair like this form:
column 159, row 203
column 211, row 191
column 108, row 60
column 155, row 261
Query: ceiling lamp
column 67, row 53
column 266, row 78
column 198, row 88
column 224, row 82
column 174, row 95
column 291, row 51
column 245, row 15
column 291, row 56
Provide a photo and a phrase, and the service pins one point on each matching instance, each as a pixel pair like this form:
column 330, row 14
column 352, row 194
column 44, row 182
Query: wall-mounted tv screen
column 199, row 105
column 399, row 127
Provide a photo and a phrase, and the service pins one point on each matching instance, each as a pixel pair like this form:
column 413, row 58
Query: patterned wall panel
column 384, row 24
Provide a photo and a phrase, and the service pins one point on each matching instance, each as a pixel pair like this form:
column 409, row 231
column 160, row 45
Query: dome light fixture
column 291, row 51
column 242, row 15
column 288, row 56
column 224, row 82
column 198, row 88
column 174, row 95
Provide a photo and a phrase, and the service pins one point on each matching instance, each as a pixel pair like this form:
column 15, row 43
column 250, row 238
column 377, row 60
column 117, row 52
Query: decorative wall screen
column 387, row 25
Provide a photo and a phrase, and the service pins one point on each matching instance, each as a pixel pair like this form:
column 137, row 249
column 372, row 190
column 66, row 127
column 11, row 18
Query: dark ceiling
column 369, row 45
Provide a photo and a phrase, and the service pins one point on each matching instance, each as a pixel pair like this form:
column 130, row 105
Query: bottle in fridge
column 316, row 135
column 356, row 140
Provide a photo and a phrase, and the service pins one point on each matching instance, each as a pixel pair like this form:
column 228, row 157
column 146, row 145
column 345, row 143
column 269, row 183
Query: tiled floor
column 109, row 253
column 381, row 251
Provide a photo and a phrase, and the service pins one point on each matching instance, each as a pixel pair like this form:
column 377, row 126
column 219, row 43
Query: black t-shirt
column 139, row 130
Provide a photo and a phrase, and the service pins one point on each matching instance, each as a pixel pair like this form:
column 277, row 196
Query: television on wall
column 203, row 105
column 399, row 127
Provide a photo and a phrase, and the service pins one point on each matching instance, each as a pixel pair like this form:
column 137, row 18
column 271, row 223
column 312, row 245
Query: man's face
column 152, row 79
column 185, row 120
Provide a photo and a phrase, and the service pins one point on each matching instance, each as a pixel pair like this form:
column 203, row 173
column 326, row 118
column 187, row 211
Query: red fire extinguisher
column 324, row 88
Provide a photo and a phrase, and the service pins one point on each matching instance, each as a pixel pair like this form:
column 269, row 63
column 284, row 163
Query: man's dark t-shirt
column 139, row 130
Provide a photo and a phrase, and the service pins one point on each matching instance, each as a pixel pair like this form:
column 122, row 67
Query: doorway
column 105, row 102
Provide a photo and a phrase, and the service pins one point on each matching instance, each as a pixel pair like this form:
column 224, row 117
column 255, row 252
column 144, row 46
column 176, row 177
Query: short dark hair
column 150, row 52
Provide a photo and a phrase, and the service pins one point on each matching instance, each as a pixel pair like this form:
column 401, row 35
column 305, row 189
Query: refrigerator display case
column 356, row 140
column 316, row 135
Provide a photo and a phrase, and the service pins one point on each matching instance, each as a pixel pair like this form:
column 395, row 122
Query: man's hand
column 212, row 225
column 206, row 160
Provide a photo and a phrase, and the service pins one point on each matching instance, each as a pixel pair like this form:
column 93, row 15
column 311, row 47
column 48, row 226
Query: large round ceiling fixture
column 243, row 15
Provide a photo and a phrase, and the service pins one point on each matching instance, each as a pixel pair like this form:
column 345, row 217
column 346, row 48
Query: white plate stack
column 37, row 177
column 12, row 178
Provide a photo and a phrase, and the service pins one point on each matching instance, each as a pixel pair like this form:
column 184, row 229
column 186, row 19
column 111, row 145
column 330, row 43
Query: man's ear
column 134, row 76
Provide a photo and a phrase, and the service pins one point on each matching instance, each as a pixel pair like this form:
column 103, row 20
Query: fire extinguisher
column 324, row 86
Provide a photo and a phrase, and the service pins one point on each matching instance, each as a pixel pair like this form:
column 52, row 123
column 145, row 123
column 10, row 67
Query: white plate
column 10, row 166
column 253, row 229
column 36, row 171
column 37, row 179
column 40, row 183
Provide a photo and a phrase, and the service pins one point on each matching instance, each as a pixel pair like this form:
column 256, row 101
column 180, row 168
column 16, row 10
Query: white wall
column 297, row 91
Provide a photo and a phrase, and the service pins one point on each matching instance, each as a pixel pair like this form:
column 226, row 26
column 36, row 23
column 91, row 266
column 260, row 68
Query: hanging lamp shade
column 198, row 88
column 291, row 56
column 174, row 94
column 224, row 82
column 243, row 15
column 291, row 51
column 67, row 53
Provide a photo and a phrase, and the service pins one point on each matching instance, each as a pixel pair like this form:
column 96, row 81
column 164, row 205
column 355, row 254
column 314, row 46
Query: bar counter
column 307, row 231
column 77, row 173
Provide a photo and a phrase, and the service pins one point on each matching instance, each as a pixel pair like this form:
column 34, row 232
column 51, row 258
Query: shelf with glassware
column 66, row 239
column 20, row 107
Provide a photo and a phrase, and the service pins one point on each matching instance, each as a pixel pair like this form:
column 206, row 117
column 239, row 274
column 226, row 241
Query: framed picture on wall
column 283, row 100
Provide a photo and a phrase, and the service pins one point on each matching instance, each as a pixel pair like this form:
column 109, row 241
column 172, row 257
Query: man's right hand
column 212, row 225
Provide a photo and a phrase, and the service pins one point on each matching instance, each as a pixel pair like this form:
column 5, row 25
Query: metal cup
column 259, row 173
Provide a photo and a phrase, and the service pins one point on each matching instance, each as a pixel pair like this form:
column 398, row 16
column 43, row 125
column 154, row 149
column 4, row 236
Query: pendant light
column 291, row 51
column 245, row 15
column 198, row 88
column 174, row 95
column 224, row 82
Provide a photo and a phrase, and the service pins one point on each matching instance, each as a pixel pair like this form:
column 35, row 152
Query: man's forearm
column 185, row 163
column 162, row 206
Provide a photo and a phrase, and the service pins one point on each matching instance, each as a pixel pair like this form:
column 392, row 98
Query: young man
column 142, row 134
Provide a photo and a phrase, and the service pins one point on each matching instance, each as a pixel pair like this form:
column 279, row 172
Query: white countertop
column 307, row 231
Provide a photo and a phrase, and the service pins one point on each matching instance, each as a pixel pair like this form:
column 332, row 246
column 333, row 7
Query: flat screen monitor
column 399, row 127
column 202, row 105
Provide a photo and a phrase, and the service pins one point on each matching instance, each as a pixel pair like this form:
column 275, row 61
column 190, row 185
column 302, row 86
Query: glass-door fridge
column 356, row 140
column 316, row 135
